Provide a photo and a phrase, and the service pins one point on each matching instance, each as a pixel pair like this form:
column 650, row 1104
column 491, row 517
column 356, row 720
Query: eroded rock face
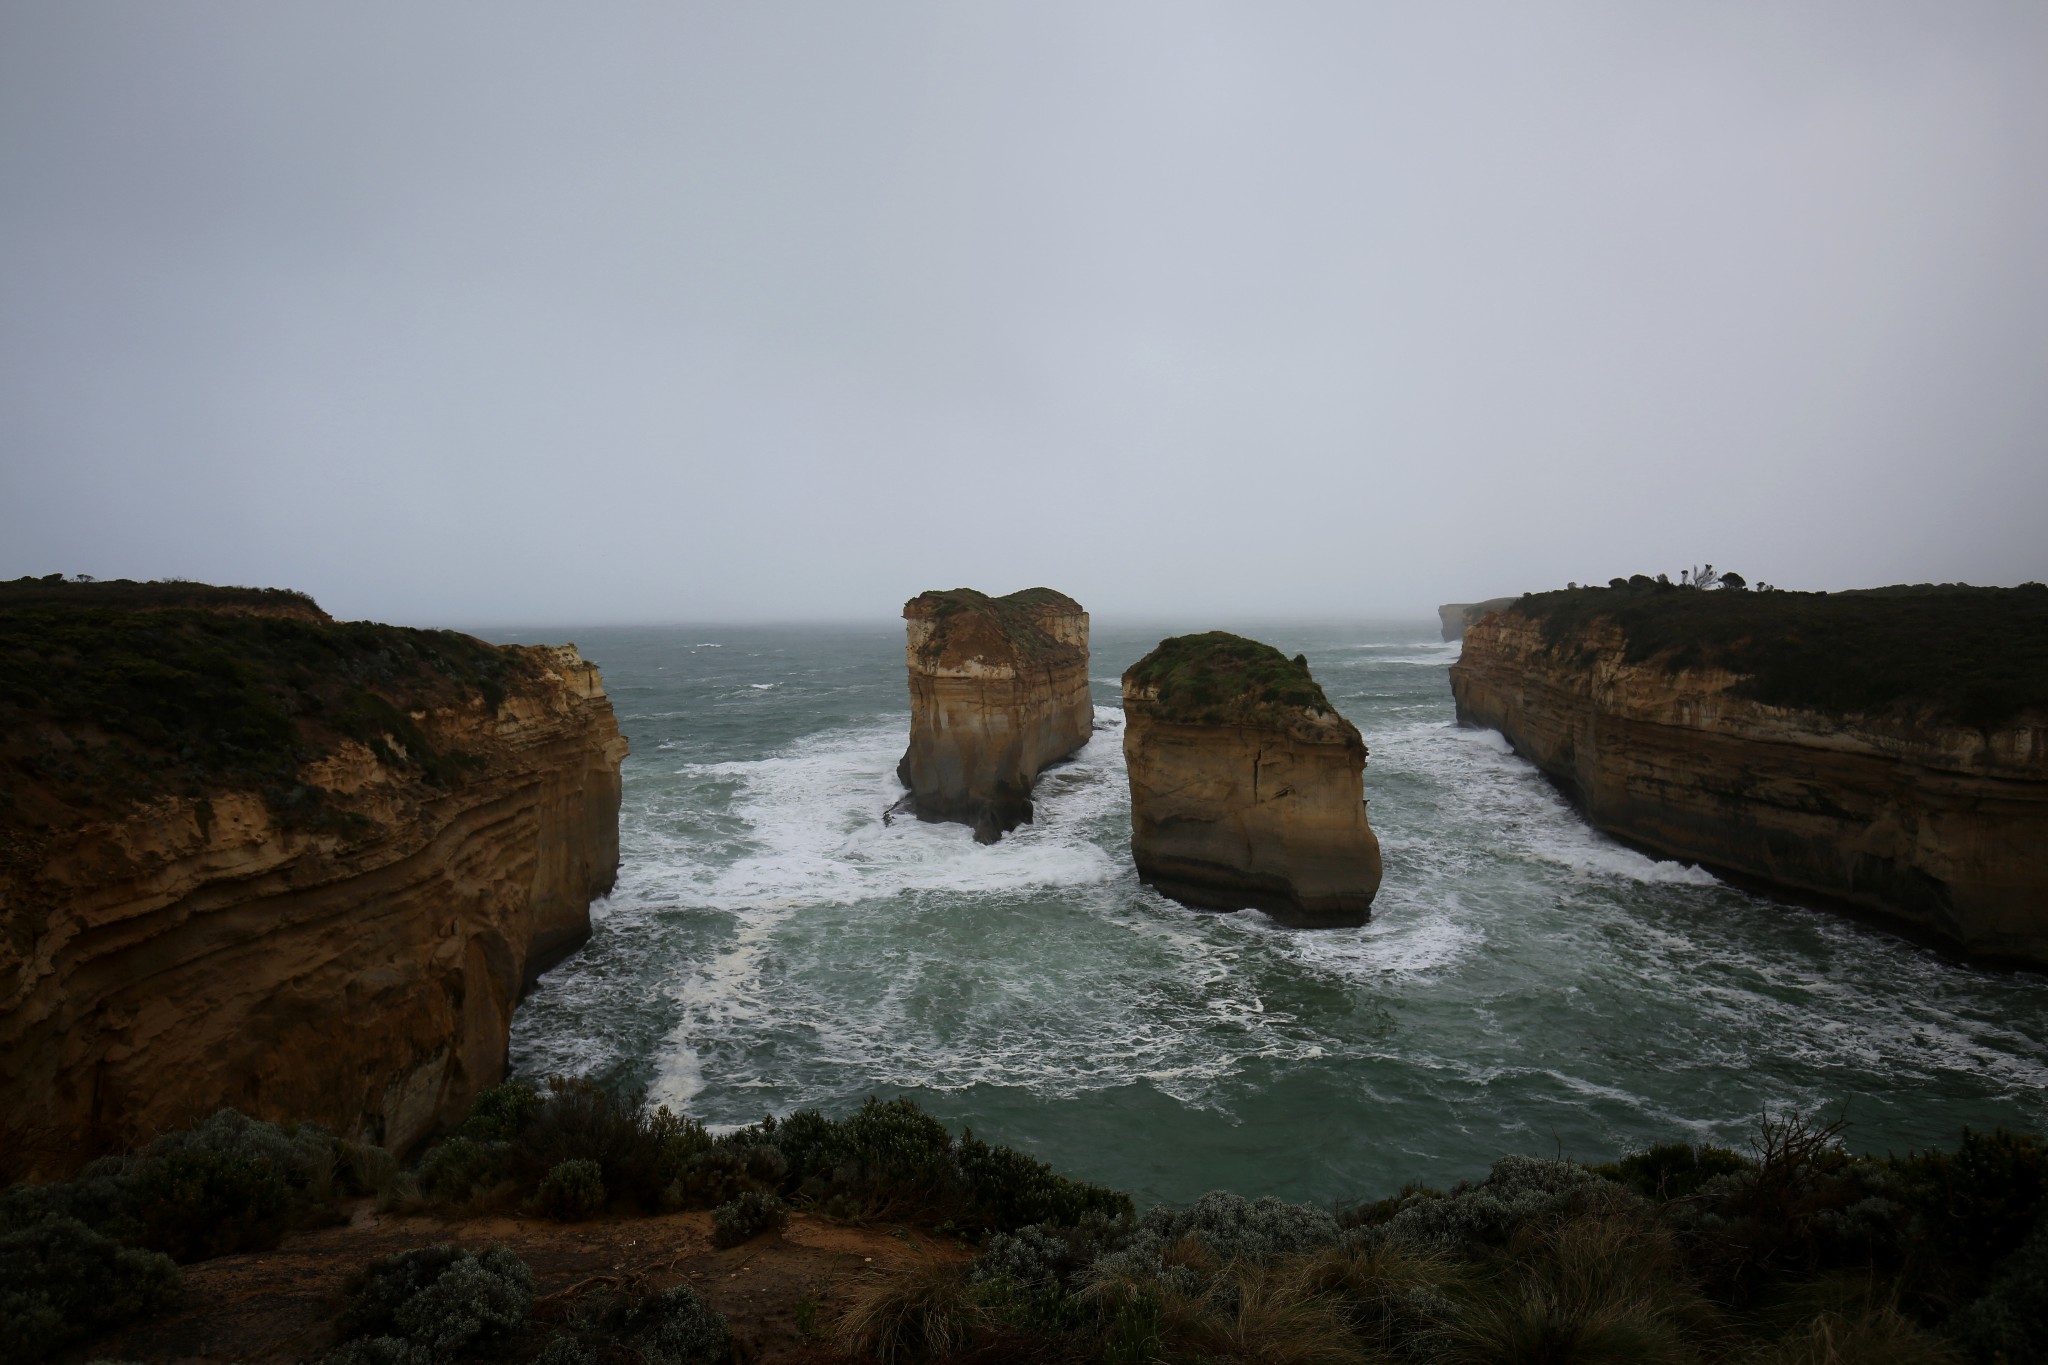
column 1937, row 827
column 1247, row 787
column 998, row 690
column 1457, row 617
column 166, row 957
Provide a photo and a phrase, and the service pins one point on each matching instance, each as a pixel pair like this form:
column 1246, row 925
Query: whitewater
column 1525, row 984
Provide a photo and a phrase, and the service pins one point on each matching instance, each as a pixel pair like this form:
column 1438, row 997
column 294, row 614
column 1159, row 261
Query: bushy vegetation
column 885, row 1160
column 1014, row 615
column 436, row 1304
column 61, row 1281
column 1974, row 656
column 1220, row 678
column 112, row 692
column 747, row 1217
column 232, row 1183
column 1796, row 1251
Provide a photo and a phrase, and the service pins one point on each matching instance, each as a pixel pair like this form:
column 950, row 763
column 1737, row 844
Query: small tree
column 1734, row 580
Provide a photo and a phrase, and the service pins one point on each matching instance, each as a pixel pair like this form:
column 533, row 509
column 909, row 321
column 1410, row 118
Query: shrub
column 1012, row 1190
column 1672, row 1170
column 198, row 1202
column 571, row 1192
column 462, row 1168
column 581, row 1121
column 746, row 1218
column 501, row 1112
column 60, row 1281
column 1518, row 1189
column 2010, row 1320
column 674, row 1327
column 432, row 1303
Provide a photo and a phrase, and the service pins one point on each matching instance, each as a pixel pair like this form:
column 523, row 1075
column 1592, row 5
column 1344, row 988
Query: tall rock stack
column 998, row 690
column 1247, row 787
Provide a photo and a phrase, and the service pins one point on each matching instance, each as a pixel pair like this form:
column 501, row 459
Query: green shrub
column 433, row 1303
column 571, row 1192
column 581, row 1121
column 674, row 1327
column 746, row 1218
column 501, row 1112
column 461, row 1168
column 61, row 1281
column 1672, row 1170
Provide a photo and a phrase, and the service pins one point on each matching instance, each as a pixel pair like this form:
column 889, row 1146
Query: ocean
column 1525, row 984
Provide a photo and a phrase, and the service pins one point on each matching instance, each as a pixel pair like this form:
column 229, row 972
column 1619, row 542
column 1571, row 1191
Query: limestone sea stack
column 252, row 856
column 1885, row 749
column 1247, row 787
column 998, row 691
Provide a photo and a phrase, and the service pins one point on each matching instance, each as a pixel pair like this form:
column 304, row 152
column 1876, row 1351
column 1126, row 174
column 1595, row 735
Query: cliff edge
column 1457, row 617
column 251, row 856
column 998, row 690
column 1247, row 787
column 1884, row 749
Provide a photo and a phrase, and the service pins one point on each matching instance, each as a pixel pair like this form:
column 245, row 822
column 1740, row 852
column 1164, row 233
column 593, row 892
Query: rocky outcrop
column 1937, row 826
column 1457, row 617
column 1247, row 787
column 998, row 690
column 347, row 948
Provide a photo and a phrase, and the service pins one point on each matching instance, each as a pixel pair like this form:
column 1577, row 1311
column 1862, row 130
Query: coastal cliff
column 253, row 857
column 1457, row 617
column 1247, row 787
column 1887, row 750
column 998, row 690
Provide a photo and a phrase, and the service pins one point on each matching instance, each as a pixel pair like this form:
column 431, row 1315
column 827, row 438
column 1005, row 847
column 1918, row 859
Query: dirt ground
column 282, row 1306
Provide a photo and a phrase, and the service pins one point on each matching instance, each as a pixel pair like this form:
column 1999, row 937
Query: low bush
column 61, row 1281
column 433, row 1304
column 231, row 1183
column 672, row 1327
column 571, row 1192
column 746, row 1218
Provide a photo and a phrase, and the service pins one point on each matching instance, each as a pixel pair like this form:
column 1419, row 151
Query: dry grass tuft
column 923, row 1313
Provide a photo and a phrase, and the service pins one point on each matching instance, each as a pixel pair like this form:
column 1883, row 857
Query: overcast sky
column 509, row 312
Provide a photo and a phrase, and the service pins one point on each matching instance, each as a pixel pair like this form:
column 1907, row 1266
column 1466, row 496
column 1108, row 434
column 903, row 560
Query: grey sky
column 497, row 312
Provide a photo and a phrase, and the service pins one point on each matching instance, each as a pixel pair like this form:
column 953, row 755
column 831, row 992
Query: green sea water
column 1525, row 985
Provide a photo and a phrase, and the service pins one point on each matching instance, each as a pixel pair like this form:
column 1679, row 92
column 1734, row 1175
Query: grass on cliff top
column 1015, row 614
column 1219, row 678
column 55, row 590
column 1975, row 656
column 105, row 704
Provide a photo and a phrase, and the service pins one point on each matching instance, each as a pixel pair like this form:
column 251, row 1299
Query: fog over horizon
column 501, row 313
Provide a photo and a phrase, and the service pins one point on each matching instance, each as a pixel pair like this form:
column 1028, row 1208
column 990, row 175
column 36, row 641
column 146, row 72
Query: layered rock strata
column 347, row 948
column 1939, row 827
column 998, row 691
column 1247, row 787
column 1457, row 617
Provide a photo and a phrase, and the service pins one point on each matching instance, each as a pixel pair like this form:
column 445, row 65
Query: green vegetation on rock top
column 1218, row 678
column 104, row 702
column 54, row 590
column 1016, row 615
column 1974, row 656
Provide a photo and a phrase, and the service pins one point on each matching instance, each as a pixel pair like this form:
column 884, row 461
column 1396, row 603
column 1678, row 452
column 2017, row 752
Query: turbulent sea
column 1525, row 985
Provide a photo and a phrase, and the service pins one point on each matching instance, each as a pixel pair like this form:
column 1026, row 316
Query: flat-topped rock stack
column 1247, row 787
column 998, row 691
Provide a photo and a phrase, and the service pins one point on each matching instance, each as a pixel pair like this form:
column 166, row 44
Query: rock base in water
column 1247, row 788
column 998, row 691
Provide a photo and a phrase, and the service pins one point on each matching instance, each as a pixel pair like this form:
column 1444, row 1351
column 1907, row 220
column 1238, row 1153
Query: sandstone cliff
column 266, row 860
column 1457, row 617
column 998, row 690
column 1677, row 723
column 1247, row 787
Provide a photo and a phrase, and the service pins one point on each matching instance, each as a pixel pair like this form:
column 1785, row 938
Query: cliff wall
column 347, row 949
column 1247, row 787
column 1939, row 826
column 998, row 690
